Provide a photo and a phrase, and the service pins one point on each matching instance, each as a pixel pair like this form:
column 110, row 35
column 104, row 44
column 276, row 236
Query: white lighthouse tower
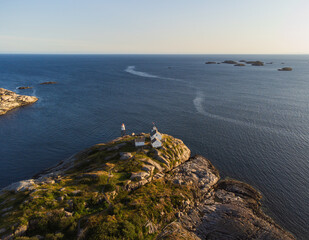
column 123, row 130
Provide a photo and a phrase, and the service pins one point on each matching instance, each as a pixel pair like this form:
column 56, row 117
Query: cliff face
column 228, row 209
column 116, row 191
column 10, row 100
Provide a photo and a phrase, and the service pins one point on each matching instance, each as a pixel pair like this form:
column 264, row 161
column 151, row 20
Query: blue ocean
column 251, row 122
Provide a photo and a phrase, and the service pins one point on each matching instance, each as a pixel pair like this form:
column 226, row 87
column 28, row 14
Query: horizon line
column 20, row 53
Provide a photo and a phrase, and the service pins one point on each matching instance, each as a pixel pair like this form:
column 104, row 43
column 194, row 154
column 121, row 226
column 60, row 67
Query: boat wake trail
column 198, row 103
column 131, row 69
column 34, row 92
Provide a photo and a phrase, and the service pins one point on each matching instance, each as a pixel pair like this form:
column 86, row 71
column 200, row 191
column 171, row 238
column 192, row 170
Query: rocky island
column 47, row 83
column 230, row 62
column 240, row 65
column 24, row 88
column 116, row 190
column 10, row 100
column 285, row 69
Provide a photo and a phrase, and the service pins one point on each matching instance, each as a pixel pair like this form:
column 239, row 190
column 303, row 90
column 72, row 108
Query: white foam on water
column 198, row 103
column 131, row 69
column 34, row 92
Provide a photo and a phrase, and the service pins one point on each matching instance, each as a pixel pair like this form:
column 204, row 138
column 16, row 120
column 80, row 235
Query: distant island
column 10, row 100
column 24, row 88
column 130, row 189
column 46, row 83
column 285, row 69
column 242, row 63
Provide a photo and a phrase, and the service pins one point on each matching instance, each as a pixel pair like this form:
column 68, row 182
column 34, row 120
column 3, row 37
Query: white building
column 156, row 143
column 139, row 142
column 155, row 134
column 155, row 137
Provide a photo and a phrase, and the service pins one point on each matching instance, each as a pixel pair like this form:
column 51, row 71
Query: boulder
column 125, row 155
column 148, row 161
column 139, row 176
column 21, row 186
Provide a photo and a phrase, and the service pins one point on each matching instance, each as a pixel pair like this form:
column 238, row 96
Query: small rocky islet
column 116, row 190
column 285, row 69
column 242, row 63
column 22, row 88
column 10, row 100
column 48, row 83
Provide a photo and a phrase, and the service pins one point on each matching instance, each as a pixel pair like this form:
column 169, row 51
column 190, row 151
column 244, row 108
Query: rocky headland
column 10, row 100
column 117, row 191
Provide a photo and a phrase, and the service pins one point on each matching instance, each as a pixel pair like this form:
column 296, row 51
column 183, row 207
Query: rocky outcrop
column 10, row 100
column 198, row 172
column 125, row 192
column 285, row 69
column 210, row 63
column 230, row 62
column 46, row 83
column 21, row 186
column 24, row 87
column 240, row 65
column 228, row 209
column 255, row 63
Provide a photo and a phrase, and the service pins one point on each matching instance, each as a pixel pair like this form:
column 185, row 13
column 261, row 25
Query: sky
column 155, row 26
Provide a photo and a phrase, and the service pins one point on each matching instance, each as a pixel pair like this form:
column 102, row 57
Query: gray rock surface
column 125, row 155
column 226, row 209
column 20, row 186
column 139, row 176
column 10, row 100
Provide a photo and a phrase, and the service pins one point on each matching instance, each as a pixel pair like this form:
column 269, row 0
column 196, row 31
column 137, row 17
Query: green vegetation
column 92, row 196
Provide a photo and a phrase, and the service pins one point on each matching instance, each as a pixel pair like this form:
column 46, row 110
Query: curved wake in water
column 131, row 69
column 198, row 103
column 34, row 92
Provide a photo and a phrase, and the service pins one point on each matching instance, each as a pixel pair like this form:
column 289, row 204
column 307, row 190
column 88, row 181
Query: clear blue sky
column 154, row 26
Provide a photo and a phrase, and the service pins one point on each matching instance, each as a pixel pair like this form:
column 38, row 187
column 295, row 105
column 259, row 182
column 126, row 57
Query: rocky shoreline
column 10, row 100
column 117, row 191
